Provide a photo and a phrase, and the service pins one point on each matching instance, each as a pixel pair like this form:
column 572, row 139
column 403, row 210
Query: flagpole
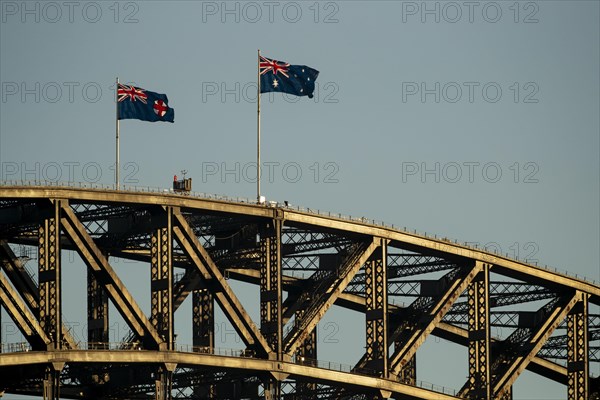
column 117, row 127
column 258, row 132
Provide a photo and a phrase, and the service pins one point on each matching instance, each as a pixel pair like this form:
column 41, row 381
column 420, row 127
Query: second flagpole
column 258, row 132
column 117, row 160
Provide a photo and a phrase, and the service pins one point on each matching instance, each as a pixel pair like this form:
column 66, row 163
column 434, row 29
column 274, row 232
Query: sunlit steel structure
column 304, row 262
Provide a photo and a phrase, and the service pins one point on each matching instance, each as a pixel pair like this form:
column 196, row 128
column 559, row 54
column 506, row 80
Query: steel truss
column 408, row 288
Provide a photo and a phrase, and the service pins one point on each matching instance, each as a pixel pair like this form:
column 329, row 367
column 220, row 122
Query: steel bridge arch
column 349, row 262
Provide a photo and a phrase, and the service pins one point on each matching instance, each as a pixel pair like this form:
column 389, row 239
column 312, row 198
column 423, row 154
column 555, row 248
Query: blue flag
column 277, row 76
column 137, row 103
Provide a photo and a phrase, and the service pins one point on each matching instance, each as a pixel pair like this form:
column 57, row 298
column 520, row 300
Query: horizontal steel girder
column 252, row 365
column 401, row 239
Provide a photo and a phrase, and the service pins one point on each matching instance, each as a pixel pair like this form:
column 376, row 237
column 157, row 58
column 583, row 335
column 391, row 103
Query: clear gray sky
column 477, row 121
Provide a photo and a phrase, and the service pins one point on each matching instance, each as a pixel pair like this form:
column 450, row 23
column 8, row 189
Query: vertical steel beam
column 479, row 385
column 164, row 384
column 97, row 312
column 272, row 389
column 203, row 319
column 268, row 395
column 49, row 277
column 51, row 384
column 270, row 288
column 578, row 351
column 270, row 299
column 308, row 349
column 161, row 285
column 305, row 354
column 376, row 315
column 203, row 333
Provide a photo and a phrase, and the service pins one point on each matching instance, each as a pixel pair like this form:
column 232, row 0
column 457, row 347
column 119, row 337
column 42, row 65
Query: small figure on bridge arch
column 182, row 186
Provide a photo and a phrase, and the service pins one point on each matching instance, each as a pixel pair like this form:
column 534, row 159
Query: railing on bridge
column 18, row 347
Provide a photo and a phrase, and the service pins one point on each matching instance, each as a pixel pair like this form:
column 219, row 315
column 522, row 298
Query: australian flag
column 277, row 76
column 138, row 103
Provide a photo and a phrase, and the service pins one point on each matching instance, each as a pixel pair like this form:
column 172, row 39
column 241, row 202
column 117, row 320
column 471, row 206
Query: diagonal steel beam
column 222, row 292
column 504, row 382
column 355, row 302
column 15, row 271
column 116, row 289
column 403, row 354
column 454, row 334
column 297, row 337
column 23, row 318
column 25, row 286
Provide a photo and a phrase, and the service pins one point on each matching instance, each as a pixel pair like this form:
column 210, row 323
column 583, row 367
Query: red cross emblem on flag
column 160, row 108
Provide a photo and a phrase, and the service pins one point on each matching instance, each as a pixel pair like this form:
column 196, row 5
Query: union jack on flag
column 278, row 76
column 138, row 103
column 274, row 66
column 132, row 93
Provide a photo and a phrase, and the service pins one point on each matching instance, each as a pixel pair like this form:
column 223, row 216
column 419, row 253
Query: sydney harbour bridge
column 302, row 263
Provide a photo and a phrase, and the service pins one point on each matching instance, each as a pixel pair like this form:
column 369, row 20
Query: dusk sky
column 476, row 121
